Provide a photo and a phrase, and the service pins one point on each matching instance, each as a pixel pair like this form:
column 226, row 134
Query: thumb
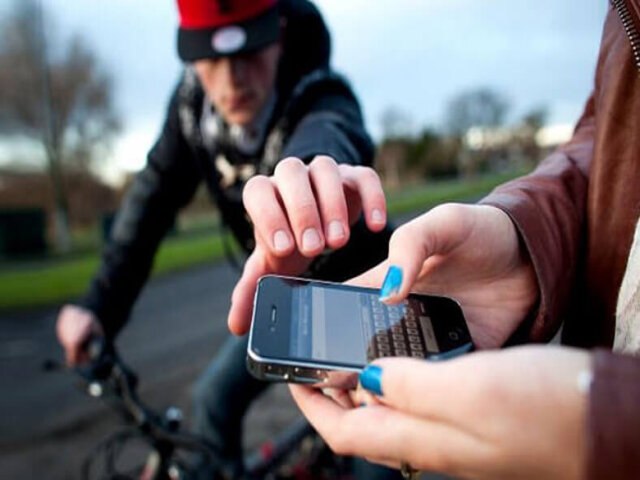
column 422, row 388
column 396, row 275
column 241, row 310
column 426, row 237
column 407, row 254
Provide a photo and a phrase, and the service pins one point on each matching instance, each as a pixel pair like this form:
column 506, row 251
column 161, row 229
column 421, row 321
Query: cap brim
column 261, row 31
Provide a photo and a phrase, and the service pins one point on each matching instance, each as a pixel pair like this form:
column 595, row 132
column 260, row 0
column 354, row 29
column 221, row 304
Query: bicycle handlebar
column 106, row 376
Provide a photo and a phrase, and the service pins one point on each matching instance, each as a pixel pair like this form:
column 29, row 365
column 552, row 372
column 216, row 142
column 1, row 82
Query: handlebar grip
column 101, row 355
column 95, row 346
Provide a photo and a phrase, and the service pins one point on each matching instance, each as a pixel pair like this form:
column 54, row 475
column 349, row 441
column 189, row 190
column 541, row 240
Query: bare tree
column 529, row 127
column 536, row 118
column 55, row 93
column 396, row 123
column 397, row 132
column 483, row 107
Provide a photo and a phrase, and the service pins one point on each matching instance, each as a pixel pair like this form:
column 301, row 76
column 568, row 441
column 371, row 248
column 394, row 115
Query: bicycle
column 297, row 453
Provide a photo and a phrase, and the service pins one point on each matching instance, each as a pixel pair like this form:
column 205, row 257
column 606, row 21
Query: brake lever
column 93, row 375
column 105, row 375
column 102, row 358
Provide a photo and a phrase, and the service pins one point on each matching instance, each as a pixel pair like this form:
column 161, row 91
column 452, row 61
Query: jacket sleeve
column 167, row 182
column 328, row 121
column 548, row 208
column 613, row 423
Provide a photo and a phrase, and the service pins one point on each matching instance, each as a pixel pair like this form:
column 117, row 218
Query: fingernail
column 281, row 241
column 377, row 216
column 392, row 282
column 336, row 230
column 310, row 239
column 371, row 379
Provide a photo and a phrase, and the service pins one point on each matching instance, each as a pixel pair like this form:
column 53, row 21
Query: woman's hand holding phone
column 297, row 213
column 502, row 414
column 471, row 253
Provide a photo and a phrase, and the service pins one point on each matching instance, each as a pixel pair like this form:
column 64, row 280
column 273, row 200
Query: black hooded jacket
column 316, row 112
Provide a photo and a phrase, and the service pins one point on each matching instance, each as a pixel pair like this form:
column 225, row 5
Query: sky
column 413, row 55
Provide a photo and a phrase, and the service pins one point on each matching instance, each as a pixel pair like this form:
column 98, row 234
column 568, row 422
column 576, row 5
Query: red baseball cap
column 217, row 28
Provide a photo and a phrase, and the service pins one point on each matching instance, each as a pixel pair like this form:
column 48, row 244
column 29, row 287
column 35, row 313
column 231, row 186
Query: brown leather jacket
column 577, row 214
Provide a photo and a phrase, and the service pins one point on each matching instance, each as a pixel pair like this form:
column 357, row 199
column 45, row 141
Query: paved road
column 178, row 317
column 47, row 425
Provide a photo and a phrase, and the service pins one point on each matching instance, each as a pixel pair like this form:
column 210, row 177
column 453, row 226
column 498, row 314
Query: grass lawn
column 55, row 282
column 66, row 279
column 429, row 195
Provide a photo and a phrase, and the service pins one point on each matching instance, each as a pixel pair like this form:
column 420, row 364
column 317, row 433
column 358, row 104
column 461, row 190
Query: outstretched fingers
column 364, row 181
column 306, row 208
column 263, row 204
column 330, row 197
column 294, row 186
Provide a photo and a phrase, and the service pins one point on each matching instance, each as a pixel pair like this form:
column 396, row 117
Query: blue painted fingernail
column 392, row 282
column 371, row 379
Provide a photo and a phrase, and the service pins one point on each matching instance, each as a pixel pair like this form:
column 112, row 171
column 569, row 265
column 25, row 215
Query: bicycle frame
column 107, row 377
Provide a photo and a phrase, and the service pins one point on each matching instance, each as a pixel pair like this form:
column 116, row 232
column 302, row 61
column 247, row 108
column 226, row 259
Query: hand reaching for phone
column 471, row 253
column 297, row 213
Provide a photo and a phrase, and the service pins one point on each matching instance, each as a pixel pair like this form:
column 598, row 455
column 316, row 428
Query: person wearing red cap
column 257, row 88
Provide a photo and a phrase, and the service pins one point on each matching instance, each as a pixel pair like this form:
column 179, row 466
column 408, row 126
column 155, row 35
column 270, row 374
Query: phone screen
column 354, row 327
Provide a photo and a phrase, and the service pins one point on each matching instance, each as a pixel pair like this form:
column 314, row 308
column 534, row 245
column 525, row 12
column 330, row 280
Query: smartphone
column 321, row 333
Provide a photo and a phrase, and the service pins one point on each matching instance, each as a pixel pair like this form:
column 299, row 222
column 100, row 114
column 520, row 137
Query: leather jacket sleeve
column 613, row 423
column 548, row 208
column 167, row 182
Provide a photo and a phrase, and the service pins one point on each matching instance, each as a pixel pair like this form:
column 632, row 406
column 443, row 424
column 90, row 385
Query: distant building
column 88, row 197
column 552, row 136
column 495, row 138
column 504, row 147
